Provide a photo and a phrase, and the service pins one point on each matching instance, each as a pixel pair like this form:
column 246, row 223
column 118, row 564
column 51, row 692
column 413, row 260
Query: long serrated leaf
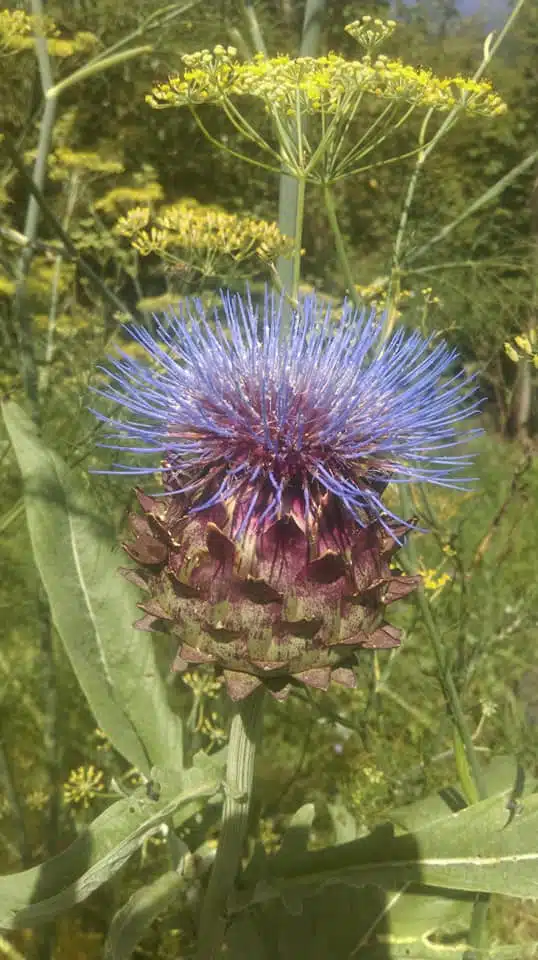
column 92, row 606
column 41, row 893
column 143, row 907
column 484, row 848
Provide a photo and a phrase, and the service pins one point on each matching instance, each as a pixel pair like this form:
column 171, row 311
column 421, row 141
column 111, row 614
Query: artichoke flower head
column 268, row 549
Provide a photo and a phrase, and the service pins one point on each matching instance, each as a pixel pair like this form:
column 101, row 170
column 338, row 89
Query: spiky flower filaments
column 268, row 550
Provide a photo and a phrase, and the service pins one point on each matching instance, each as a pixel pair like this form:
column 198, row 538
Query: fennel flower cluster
column 83, row 785
column 327, row 84
column 207, row 239
column 17, row 29
column 330, row 91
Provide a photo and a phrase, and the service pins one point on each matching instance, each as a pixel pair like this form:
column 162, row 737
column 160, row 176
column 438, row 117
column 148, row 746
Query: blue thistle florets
column 239, row 410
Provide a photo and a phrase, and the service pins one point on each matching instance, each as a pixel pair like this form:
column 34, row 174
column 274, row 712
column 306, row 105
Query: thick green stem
column 340, row 246
column 254, row 28
column 244, row 735
column 292, row 188
column 287, row 223
column 478, row 933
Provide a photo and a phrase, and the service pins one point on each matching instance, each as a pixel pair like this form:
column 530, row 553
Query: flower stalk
column 22, row 321
column 340, row 246
column 292, row 188
column 245, row 733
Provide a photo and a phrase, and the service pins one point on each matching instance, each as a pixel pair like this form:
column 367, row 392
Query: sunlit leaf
column 92, row 606
column 35, row 895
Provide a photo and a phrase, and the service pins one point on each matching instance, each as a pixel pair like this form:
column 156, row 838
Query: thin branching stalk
column 478, row 930
column 469, row 770
column 426, row 148
column 16, row 807
column 254, row 27
column 21, row 315
column 446, row 679
column 55, row 290
column 340, row 246
column 47, row 673
column 115, row 54
column 419, row 715
column 244, row 157
column 98, row 66
column 244, row 735
column 487, row 197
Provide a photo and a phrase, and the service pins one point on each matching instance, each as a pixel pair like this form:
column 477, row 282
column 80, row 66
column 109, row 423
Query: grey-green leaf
column 500, row 778
column 92, row 606
column 41, row 893
column 490, row 846
column 342, row 922
column 132, row 921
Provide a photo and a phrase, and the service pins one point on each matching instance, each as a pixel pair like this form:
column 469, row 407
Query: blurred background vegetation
column 360, row 751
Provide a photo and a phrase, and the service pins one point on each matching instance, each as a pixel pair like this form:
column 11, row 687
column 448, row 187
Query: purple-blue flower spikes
column 240, row 409
column 268, row 550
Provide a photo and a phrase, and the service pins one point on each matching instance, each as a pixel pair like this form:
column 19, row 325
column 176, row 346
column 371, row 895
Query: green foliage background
column 387, row 744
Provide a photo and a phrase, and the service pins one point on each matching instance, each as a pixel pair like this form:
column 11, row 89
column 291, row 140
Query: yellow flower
column 269, row 838
column 65, row 160
column 203, row 684
column 15, row 28
column 523, row 342
column 189, row 236
column 7, row 287
column 369, row 33
column 433, row 580
column 120, row 197
column 527, row 347
column 83, row 785
column 511, row 352
column 211, row 727
column 37, row 799
column 102, row 740
column 330, row 89
column 373, row 775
